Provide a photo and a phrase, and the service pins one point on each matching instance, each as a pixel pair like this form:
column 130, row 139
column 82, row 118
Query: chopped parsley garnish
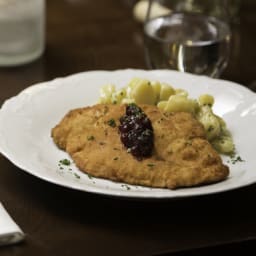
column 236, row 159
column 65, row 162
column 151, row 165
column 89, row 176
column 210, row 128
column 112, row 122
column 90, row 137
column 77, row 176
column 125, row 186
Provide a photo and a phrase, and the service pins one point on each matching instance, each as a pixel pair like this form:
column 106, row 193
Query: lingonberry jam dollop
column 136, row 132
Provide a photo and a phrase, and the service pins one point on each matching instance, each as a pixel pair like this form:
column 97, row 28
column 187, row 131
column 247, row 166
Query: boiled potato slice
column 166, row 91
column 206, row 99
column 143, row 93
column 179, row 103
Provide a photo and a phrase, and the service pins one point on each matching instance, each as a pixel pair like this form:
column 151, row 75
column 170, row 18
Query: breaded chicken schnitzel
column 181, row 156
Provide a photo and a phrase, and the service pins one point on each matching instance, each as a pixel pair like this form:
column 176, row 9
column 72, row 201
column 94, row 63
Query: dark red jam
column 136, row 132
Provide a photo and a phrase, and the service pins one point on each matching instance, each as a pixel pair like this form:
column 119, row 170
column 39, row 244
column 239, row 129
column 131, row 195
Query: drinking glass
column 21, row 31
column 193, row 36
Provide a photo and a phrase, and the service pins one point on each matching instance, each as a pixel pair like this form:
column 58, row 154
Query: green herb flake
column 64, row 162
column 210, row 128
column 125, row 186
column 236, row 159
column 89, row 176
column 91, row 137
column 111, row 122
column 77, row 176
column 116, row 158
column 150, row 165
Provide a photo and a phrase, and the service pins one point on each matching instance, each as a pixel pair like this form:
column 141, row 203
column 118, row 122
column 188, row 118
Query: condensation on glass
column 22, row 25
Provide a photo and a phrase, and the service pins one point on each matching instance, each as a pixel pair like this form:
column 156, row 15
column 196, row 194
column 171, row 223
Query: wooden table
column 88, row 35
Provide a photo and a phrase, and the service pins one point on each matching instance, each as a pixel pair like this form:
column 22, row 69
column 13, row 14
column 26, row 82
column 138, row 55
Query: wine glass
column 187, row 35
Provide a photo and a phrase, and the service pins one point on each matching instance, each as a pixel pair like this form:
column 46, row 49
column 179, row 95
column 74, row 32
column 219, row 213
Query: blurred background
column 97, row 34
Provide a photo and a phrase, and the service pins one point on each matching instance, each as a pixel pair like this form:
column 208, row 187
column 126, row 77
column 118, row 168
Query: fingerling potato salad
column 170, row 99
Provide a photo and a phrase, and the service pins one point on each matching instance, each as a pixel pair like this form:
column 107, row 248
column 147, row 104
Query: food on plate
column 169, row 99
column 181, row 155
column 136, row 132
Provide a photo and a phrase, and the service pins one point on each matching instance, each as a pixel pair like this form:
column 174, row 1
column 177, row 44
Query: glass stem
column 150, row 2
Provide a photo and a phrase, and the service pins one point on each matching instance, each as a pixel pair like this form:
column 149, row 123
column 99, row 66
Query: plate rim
column 33, row 89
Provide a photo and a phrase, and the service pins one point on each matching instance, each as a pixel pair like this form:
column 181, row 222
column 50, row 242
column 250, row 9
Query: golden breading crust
column 182, row 156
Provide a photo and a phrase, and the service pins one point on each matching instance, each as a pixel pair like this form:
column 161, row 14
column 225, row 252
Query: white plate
column 26, row 121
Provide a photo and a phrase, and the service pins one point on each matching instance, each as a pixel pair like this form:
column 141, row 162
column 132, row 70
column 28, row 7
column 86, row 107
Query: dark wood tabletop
column 87, row 35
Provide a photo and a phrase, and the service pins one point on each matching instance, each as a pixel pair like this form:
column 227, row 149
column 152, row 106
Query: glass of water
column 21, row 31
column 187, row 35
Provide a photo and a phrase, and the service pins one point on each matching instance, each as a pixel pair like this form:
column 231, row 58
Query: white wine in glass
column 188, row 42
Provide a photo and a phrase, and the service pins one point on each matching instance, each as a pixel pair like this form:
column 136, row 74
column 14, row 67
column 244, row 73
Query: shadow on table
column 46, row 211
column 245, row 247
